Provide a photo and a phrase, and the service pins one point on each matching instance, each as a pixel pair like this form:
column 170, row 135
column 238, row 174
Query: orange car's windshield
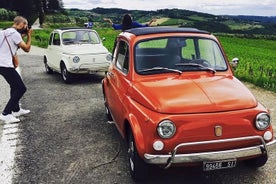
column 178, row 53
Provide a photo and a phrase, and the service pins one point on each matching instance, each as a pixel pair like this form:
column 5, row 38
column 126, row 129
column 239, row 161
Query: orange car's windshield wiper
column 160, row 68
column 197, row 65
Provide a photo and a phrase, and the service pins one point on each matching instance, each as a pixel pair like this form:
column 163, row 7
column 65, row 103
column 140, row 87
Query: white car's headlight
column 262, row 121
column 109, row 57
column 76, row 59
column 166, row 129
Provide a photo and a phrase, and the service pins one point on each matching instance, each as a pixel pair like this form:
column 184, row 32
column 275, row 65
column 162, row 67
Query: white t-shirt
column 14, row 39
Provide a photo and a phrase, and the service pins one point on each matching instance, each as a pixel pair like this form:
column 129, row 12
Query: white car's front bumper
column 89, row 67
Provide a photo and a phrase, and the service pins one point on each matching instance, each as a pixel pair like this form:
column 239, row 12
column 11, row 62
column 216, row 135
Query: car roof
column 156, row 30
column 66, row 28
column 73, row 28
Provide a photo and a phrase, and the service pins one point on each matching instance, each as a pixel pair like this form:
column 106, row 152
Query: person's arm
column 117, row 26
column 136, row 24
column 151, row 21
column 108, row 20
column 26, row 46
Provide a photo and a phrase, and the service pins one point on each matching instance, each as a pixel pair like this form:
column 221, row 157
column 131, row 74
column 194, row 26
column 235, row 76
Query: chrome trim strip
column 90, row 67
column 169, row 159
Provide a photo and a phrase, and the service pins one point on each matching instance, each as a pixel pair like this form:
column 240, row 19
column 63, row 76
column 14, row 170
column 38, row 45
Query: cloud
column 217, row 7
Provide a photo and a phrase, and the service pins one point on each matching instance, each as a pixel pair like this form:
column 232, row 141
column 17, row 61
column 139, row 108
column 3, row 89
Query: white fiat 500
column 75, row 51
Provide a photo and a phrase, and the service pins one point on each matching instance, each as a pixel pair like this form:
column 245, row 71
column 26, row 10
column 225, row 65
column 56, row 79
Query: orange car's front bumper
column 175, row 158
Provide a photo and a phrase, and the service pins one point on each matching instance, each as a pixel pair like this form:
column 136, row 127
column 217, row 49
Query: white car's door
column 54, row 52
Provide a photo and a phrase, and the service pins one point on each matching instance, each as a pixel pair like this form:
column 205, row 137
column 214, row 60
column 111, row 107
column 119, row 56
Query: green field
column 109, row 35
column 257, row 60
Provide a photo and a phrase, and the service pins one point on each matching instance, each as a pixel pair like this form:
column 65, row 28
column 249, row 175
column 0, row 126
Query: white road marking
column 8, row 143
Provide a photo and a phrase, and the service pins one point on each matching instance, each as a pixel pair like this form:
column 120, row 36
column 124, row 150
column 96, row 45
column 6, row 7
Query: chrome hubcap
column 131, row 154
column 64, row 73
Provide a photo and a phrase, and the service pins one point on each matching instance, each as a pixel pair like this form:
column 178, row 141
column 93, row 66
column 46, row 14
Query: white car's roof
column 71, row 29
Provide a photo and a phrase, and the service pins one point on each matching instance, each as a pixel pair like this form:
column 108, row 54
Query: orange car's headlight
column 166, row 129
column 262, row 121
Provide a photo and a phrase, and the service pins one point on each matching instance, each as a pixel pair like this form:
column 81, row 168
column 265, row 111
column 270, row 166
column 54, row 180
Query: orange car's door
column 118, row 83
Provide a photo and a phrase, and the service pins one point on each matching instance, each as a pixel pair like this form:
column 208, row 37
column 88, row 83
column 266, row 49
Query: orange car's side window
column 122, row 62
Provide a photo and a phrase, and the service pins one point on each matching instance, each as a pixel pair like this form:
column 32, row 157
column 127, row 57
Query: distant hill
column 261, row 19
column 183, row 18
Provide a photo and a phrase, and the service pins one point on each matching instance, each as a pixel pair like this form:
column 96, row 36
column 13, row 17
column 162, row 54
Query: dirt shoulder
column 267, row 98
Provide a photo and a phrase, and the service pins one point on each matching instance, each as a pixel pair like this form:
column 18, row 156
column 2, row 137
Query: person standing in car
column 127, row 23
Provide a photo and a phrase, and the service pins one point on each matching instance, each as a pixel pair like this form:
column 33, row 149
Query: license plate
column 220, row 164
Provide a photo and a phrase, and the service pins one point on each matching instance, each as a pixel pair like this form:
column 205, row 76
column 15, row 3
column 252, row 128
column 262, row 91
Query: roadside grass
column 40, row 37
column 257, row 60
column 109, row 36
column 5, row 24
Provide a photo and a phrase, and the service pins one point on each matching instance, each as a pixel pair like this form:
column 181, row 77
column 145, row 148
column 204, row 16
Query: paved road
column 67, row 139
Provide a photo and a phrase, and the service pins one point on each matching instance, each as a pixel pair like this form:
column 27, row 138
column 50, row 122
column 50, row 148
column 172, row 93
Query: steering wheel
column 202, row 62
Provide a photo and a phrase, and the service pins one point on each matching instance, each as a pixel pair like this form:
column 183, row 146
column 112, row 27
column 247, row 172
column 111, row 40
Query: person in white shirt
column 10, row 41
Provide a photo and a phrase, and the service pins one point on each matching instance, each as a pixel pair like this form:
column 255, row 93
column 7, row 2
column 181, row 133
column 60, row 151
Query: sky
column 215, row 7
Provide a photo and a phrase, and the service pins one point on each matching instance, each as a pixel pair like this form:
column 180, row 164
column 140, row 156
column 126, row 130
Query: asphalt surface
column 67, row 139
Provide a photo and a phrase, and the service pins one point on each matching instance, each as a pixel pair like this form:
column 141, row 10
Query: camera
column 25, row 30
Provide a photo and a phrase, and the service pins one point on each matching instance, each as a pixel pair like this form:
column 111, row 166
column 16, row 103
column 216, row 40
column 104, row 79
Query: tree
column 26, row 8
column 6, row 4
column 32, row 9
column 55, row 4
column 40, row 9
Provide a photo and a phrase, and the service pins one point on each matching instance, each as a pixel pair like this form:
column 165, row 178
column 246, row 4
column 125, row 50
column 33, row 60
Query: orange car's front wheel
column 257, row 162
column 139, row 170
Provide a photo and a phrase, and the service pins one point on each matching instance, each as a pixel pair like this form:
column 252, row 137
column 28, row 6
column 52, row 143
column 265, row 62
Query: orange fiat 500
column 172, row 95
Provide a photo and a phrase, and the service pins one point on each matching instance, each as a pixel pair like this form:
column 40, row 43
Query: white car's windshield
column 80, row 37
column 178, row 53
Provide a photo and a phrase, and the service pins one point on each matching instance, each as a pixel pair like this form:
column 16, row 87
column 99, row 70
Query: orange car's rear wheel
column 139, row 170
column 107, row 112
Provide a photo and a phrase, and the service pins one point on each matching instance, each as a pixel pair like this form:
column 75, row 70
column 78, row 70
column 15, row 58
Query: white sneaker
column 21, row 112
column 9, row 118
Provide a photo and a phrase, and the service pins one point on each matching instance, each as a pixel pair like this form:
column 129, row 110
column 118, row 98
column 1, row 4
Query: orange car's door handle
column 110, row 74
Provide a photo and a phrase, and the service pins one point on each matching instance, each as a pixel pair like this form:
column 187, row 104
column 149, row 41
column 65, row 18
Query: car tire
column 139, row 170
column 107, row 112
column 66, row 76
column 47, row 68
column 257, row 162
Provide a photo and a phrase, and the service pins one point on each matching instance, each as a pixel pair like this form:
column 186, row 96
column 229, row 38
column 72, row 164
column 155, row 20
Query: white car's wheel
column 47, row 68
column 66, row 76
